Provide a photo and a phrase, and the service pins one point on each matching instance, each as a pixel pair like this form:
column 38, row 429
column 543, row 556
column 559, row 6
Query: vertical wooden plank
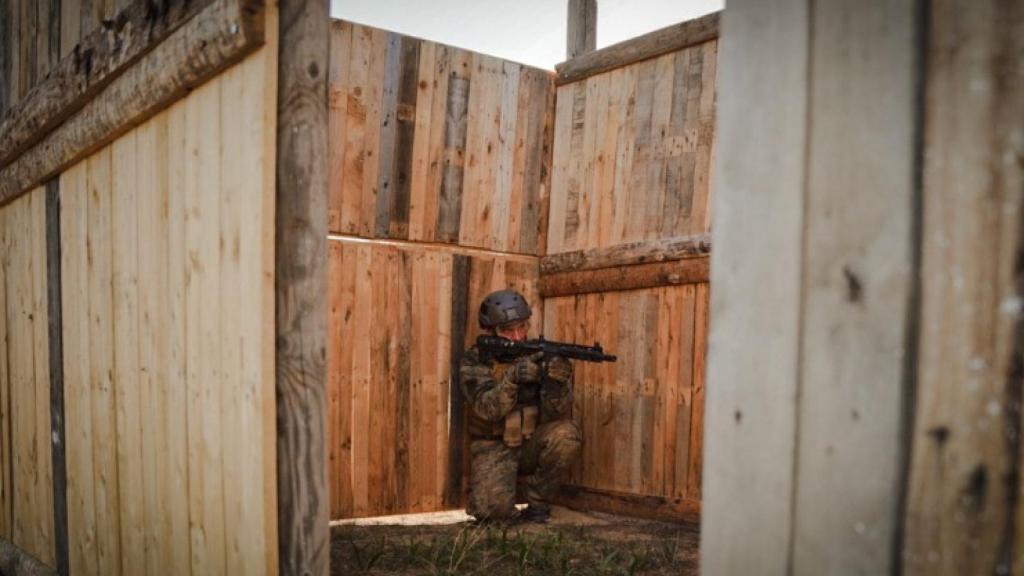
column 427, row 140
column 56, row 362
column 338, row 453
column 496, row 236
column 750, row 423
column 537, row 90
column 644, row 158
column 337, row 137
column 857, row 285
column 388, row 127
column 82, row 544
column 7, row 40
column 560, row 170
column 461, row 273
column 402, row 406
column 695, row 457
column 70, row 25
column 964, row 511
column 625, row 152
column 702, row 169
column 664, row 83
column 405, row 127
column 151, row 194
column 456, row 127
column 373, row 139
column 42, row 432
column 609, row 116
column 581, row 34
column 6, row 459
column 128, row 380
column 482, row 149
column 447, row 332
column 301, row 309
column 27, row 46
column 174, row 510
column 361, row 367
column 19, row 367
column 575, row 168
column 356, row 110
column 101, row 391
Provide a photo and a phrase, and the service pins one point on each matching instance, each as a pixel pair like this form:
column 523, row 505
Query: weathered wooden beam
column 96, row 61
column 663, row 41
column 303, row 505
column 56, row 357
column 222, row 34
column 671, row 273
column 582, row 28
column 14, row 560
column 652, row 507
column 643, row 252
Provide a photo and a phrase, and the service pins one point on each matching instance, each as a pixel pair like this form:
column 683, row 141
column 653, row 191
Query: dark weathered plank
column 56, row 348
column 671, row 273
column 449, row 210
column 456, row 431
column 6, row 43
column 221, row 35
column 663, row 41
column 405, row 120
column 301, row 288
column 388, row 135
column 582, row 29
column 642, row 252
column 96, row 61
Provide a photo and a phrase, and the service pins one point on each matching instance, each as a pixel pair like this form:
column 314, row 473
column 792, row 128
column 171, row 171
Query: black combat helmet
column 503, row 307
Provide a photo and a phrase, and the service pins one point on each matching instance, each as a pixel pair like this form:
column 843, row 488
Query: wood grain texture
column 671, row 273
column 753, row 342
column 56, row 360
column 218, row 37
column 433, row 143
column 963, row 508
column 628, row 254
column 300, row 286
column 665, row 40
column 71, row 71
column 581, row 33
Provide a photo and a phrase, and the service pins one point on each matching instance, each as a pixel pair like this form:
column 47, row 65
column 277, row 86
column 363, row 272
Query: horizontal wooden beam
column 653, row 44
column 672, row 273
column 14, row 560
column 643, row 252
column 219, row 36
column 637, row 506
column 92, row 65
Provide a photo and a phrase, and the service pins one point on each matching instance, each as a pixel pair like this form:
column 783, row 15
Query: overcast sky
column 528, row 31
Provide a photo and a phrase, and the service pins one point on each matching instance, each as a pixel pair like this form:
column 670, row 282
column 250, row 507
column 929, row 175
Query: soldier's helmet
column 503, row 307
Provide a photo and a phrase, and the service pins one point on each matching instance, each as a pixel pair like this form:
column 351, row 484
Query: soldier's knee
column 565, row 439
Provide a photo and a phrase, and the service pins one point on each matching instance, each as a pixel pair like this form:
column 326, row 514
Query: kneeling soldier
column 518, row 421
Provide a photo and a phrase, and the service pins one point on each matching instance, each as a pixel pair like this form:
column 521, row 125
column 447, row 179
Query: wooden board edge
column 586, row 499
column 650, row 45
column 635, row 277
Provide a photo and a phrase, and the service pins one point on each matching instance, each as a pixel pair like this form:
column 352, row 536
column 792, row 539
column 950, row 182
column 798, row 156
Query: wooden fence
column 626, row 266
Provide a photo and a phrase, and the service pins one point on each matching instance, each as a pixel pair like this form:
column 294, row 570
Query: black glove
column 560, row 370
column 526, row 370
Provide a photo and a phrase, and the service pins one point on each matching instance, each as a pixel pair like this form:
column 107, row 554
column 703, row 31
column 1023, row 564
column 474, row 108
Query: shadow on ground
column 574, row 543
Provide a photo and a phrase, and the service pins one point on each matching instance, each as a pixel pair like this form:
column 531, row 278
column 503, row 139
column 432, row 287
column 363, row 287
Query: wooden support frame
column 97, row 60
column 642, row 252
column 221, row 35
column 653, row 507
column 663, row 41
column 303, row 504
column 581, row 31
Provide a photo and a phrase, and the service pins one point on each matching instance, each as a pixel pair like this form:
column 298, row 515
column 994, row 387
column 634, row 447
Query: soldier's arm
column 491, row 399
column 556, row 393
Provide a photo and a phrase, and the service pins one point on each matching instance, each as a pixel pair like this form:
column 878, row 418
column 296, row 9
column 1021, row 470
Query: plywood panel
column 434, row 143
column 389, row 375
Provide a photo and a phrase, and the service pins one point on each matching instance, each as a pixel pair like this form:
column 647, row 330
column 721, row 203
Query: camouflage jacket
column 491, row 395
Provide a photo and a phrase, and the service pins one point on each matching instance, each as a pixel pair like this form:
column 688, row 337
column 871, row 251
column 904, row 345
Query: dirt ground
column 573, row 543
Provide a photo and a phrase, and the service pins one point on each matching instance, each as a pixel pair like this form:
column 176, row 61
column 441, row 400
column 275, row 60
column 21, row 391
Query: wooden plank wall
column 436, row 144
column 632, row 152
column 167, row 269
column 633, row 149
column 26, row 487
column 390, row 334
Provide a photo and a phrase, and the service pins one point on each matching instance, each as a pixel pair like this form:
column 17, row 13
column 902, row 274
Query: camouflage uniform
column 545, row 456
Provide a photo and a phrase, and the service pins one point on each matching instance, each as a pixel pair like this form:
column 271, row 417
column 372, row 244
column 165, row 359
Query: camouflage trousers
column 545, row 457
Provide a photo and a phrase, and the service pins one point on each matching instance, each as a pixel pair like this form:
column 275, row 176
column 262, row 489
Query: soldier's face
column 516, row 331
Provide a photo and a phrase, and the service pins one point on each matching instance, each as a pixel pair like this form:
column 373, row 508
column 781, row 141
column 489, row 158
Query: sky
column 527, row 31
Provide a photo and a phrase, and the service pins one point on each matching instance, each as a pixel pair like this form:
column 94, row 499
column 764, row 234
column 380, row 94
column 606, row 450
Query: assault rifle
column 498, row 347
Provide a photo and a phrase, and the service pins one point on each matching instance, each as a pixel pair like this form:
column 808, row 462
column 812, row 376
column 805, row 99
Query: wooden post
column 582, row 28
column 301, row 288
column 865, row 365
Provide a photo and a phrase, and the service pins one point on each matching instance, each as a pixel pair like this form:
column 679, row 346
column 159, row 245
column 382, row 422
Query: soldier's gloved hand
column 560, row 370
column 526, row 370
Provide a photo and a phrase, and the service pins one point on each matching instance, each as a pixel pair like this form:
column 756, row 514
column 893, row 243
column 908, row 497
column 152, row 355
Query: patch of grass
column 502, row 551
